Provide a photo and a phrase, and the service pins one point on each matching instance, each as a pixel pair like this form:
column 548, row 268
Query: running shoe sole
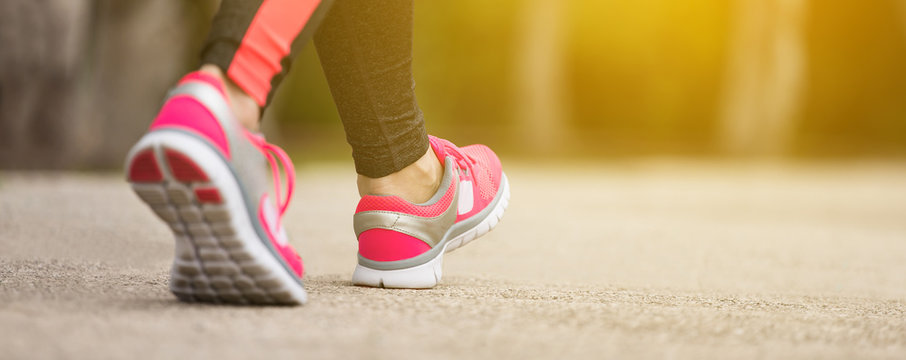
column 219, row 257
column 428, row 275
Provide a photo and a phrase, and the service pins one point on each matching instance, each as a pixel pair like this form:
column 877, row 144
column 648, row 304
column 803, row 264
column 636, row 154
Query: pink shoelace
column 274, row 153
column 464, row 161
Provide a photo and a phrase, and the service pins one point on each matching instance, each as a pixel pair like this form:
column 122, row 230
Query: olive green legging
column 365, row 47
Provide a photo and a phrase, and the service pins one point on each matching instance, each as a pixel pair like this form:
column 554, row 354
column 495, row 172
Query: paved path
column 635, row 260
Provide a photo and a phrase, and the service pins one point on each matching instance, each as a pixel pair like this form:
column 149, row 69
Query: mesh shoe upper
column 390, row 228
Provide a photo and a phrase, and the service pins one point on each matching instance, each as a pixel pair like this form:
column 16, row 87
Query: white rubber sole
column 428, row 275
column 219, row 256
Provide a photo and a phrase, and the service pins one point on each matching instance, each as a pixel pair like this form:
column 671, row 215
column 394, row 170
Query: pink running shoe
column 206, row 176
column 401, row 244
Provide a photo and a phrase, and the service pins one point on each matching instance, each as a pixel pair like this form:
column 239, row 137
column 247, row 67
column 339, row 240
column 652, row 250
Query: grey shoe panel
column 431, row 230
column 454, row 231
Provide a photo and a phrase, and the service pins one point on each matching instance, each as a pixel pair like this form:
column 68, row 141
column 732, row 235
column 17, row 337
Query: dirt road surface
column 646, row 259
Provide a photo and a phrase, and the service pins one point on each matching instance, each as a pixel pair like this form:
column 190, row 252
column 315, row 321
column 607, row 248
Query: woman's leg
column 366, row 52
column 435, row 196
column 252, row 44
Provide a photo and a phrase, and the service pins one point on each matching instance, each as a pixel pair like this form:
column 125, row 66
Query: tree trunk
column 765, row 77
column 80, row 80
column 540, row 79
column 42, row 43
column 902, row 9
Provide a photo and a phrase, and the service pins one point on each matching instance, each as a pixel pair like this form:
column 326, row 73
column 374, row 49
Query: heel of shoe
column 407, row 261
column 422, row 276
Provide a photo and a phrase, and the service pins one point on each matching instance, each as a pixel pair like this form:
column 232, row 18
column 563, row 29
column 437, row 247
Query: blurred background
column 80, row 80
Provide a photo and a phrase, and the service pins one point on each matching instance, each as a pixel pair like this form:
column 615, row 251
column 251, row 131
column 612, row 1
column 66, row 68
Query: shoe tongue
column 438, row 145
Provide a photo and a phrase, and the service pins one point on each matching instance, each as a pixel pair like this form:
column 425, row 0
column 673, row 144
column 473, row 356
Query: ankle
column 416, row 183
column 244, row 107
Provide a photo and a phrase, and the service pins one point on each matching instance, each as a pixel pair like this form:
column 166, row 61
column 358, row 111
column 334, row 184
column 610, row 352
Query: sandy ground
column 638, row 260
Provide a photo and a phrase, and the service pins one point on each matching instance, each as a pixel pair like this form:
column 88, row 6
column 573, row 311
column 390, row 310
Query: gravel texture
column 645, row 259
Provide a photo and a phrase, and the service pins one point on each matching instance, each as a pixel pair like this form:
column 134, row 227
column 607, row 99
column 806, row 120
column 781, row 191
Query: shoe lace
column 275, row 154
column 464, row 161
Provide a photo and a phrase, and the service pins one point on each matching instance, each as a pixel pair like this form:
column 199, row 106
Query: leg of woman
column 253, row 43
column 421, row 196
column 366, row 52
